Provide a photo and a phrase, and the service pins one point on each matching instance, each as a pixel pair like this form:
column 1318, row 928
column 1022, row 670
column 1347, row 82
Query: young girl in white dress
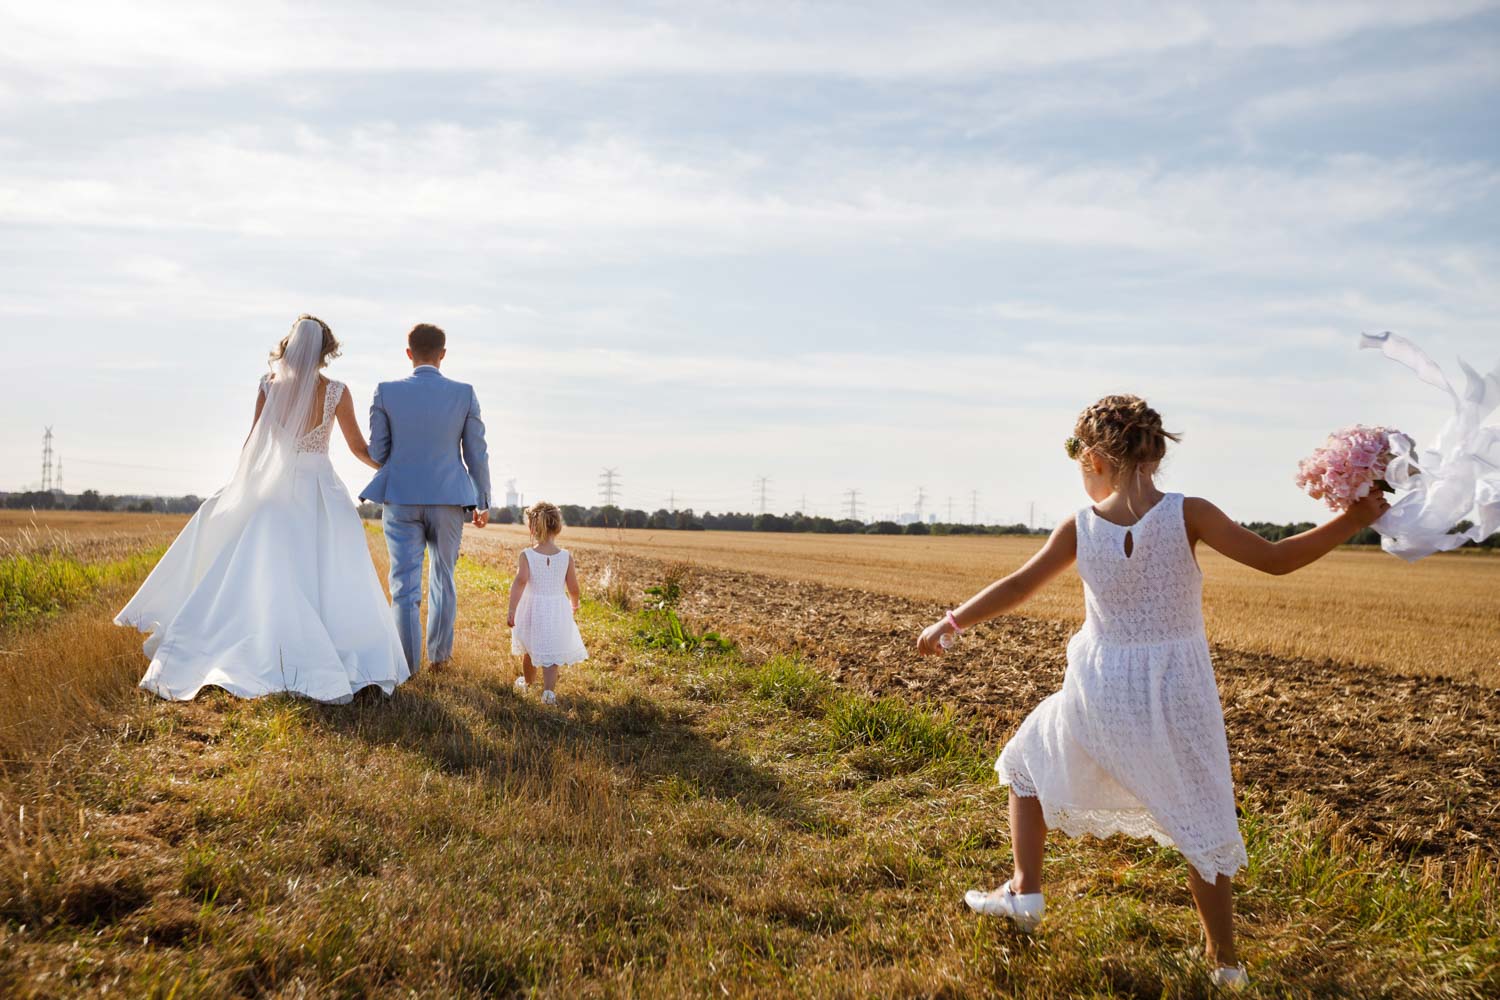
column 1134, row 742
column 543, row 599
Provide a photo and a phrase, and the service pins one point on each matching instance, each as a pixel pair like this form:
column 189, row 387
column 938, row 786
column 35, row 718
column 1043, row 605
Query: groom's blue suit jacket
column 426, row 434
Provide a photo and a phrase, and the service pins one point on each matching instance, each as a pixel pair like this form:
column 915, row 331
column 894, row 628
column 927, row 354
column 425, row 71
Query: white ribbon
column 1458, row 478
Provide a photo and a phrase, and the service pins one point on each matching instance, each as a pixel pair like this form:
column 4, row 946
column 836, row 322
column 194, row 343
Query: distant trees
column 93, row 500
column 661, row 519
column 32, row 500
column 1366, row 536
column 89, row 500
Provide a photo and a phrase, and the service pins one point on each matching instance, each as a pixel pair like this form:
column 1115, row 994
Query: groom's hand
column 481, row 517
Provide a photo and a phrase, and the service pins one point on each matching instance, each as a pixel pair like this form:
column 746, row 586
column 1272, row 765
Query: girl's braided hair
column 1123, row 429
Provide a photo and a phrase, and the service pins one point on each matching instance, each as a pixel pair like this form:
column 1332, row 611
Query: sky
column 880, row 247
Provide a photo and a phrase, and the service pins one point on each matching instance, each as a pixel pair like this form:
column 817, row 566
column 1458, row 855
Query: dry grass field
column 795, row 813
column 1438, row 617
column 91, row 537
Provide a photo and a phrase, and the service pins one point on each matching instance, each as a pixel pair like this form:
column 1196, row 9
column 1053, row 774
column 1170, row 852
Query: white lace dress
column 1134, row 742
column 289, row 603
column 545, row 628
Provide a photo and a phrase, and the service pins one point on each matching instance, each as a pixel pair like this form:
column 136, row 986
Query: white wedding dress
column 270, row 587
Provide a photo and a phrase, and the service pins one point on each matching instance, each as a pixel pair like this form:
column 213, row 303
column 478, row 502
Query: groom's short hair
column 426, row 340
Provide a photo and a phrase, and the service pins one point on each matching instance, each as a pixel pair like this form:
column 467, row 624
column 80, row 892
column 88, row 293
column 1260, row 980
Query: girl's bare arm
column 1210, row 525
column 1011, row 591
column 517, row 588
column 571, row 581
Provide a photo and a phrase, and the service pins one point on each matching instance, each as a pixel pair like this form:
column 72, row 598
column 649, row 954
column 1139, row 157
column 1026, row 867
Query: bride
column 270, row 587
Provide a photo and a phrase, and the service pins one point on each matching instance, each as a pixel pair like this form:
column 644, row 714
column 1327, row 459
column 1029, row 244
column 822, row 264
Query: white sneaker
column 520, row 685
column 549, row 697
column 1230, row 977
column 1024, row 910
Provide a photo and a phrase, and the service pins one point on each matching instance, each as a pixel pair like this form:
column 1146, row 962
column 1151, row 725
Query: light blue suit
column 426, row 432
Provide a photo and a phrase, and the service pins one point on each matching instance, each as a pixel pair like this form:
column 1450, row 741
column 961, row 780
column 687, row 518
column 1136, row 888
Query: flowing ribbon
column 1456, row 479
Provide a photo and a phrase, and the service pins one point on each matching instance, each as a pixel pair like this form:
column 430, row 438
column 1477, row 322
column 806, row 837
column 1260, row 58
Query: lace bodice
column 316, row 439
column 548, row 576
column 1155, row 594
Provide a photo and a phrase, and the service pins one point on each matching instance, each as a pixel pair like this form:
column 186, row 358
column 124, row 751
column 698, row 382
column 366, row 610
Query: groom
column 418, row 428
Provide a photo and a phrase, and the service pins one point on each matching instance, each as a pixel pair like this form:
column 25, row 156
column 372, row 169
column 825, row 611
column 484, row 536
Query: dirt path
column 1410, row 763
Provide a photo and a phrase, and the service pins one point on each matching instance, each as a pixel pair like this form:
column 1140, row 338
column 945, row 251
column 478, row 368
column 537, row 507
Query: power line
column 607, row 488
column 761, row 482
column 851, row 497
column 47, row 460
column 950, row 510
column 921, row 499
column 973, row 506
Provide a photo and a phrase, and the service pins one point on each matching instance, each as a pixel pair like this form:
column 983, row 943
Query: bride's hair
column 544, row 520
column 330, row 342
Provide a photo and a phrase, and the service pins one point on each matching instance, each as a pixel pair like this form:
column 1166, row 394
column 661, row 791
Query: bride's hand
column 510, row 621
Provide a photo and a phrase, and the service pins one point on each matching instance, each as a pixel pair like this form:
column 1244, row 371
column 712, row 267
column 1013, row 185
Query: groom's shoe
column 438, row 664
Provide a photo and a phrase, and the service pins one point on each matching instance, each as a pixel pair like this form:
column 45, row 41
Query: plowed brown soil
column 1411, row 763
column 1439, row 617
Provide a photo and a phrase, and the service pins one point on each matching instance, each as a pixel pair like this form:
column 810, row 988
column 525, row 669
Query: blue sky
column 841, row 246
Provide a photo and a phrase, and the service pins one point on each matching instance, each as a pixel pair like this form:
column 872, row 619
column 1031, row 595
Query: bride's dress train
column 271, row 591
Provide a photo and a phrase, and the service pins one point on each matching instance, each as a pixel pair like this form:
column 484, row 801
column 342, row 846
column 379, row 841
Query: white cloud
column 755, row 234
column 87, row 51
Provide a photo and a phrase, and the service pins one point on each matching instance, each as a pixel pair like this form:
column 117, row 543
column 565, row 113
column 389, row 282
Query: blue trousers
column 410, row 530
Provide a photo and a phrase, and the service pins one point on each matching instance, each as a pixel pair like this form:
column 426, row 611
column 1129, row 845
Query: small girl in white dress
column 1134, row 742
column 543, row 599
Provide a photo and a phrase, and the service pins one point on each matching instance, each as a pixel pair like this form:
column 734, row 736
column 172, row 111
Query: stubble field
column 1360, row 607
column 793, row 810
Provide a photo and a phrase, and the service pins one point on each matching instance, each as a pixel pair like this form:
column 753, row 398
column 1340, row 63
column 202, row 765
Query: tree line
column 94, row 500
column 610, row 516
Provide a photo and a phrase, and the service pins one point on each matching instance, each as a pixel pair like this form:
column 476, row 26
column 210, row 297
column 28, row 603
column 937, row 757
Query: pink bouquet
column 1350, row 463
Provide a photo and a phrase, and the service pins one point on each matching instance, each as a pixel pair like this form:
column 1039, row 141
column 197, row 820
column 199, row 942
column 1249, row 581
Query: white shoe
column 1024, row 910
column 520, row 685
column 549, row 697
column 1230, row 977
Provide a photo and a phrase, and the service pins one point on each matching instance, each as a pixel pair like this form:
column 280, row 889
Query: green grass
column 690, row 823
column 41, row 584
column 888, row 736
column 789, row 682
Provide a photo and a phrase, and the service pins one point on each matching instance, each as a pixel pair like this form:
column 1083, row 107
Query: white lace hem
column 1226, row 859
column 549, row 657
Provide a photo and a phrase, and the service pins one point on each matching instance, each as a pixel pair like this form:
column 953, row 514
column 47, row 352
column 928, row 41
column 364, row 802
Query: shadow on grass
column 465, row 724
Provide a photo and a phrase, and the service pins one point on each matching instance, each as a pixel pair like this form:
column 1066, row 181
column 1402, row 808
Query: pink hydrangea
column 1348, row 466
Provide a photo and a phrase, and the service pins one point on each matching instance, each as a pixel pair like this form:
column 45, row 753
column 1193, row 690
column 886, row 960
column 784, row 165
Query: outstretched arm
column 380, row 430
column 517, row 588
column 1009, row 592
column 353, row 436
column 1209, row 524
column 477, row 459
